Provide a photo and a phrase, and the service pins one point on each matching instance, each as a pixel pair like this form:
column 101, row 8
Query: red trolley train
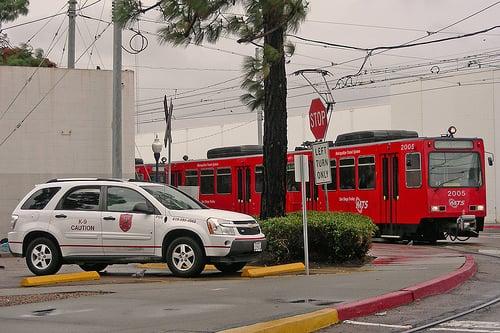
column 411, row 187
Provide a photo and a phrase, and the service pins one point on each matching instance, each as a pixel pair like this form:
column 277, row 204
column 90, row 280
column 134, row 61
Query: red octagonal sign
column 317, row 119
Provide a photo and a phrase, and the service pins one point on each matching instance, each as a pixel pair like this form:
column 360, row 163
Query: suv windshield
column 454, row 169
column 172, row 198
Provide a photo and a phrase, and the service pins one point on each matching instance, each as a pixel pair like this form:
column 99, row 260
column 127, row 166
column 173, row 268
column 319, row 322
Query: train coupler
column 466, row 225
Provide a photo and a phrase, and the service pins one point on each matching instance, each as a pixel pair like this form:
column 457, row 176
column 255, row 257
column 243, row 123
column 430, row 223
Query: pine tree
column 265, row 24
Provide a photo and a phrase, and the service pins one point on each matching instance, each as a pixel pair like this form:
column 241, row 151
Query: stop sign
column 317, row 119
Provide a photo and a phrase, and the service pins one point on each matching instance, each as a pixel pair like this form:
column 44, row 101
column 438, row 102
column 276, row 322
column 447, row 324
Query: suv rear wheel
column 93, row 267
column 43, row 256
column 185, row 257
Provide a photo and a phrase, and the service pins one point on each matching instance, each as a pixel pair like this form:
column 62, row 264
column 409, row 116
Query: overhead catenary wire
column 44, row 18
column 479, row 59
column 456, row 85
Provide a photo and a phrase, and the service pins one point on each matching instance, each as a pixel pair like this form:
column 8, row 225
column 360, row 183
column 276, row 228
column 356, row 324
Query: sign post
column 302, row 174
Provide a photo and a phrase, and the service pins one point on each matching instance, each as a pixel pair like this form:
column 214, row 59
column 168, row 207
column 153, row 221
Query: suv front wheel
column 185, row 257
column 43, row 257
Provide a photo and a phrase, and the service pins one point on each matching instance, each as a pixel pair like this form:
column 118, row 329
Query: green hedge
column 333, row 237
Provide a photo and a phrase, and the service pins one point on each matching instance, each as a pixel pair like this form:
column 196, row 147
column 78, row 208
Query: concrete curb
column 59, row 278
column 410, row 294
column 308, row 322
column 272, row 270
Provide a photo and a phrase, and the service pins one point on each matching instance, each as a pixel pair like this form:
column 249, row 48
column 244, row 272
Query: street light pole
column 156, row 146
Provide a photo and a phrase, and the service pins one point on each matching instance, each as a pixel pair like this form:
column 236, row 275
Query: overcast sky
column 162, row 69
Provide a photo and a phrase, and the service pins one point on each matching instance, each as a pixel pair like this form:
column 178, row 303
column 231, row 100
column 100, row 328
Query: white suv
column 97, row 222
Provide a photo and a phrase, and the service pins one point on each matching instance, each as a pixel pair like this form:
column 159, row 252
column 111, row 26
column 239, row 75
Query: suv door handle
column 61, row 216
column 109, row 218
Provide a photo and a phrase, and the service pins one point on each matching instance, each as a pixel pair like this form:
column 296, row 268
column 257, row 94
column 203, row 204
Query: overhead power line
column 19, row 124
column 399, row 46
column 44, row 18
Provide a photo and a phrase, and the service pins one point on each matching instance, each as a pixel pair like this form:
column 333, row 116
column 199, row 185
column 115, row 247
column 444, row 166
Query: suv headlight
column 220, row 226
column 13, row 221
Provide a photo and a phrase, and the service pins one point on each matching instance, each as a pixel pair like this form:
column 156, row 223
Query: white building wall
column 67, row 135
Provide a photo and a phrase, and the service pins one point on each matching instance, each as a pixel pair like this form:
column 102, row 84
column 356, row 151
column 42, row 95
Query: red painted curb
column 445, row 282
column 492, row 226
column 374, row 304
column 409, row 294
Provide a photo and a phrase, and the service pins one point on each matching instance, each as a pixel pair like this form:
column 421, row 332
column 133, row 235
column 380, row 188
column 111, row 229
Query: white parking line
column 469, row 326
column 363, row 323
column 488, row 251
column 462, row 330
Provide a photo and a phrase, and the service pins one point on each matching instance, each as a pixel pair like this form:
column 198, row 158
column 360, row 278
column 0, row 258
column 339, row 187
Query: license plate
column 257, row 247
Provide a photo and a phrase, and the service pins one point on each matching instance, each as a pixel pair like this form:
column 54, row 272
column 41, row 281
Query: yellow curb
column 272, row 270
column 59, row 278
column 308, row 322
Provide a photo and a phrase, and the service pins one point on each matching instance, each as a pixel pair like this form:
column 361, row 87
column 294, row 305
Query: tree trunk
column 275, row 125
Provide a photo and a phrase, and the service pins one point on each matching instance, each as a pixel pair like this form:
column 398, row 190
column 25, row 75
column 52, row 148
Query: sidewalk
column 399, row 275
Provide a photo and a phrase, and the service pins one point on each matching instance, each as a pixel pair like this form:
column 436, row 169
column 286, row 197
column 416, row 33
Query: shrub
column 333, row 237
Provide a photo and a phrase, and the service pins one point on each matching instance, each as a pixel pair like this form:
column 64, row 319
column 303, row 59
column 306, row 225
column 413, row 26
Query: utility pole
column 116, row 125
column 71, row 33
column 259, row 112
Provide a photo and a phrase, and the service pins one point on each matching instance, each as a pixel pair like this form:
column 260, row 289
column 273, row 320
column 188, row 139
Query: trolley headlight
column 480, row 207
column 13, row 221
column 220, row 226
column 438, row 208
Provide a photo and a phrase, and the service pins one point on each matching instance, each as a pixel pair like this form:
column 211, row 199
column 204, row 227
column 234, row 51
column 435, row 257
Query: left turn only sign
column 321, row 163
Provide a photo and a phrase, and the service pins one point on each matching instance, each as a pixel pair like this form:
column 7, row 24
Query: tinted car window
column 82, row 198
column 121, row 199
column 40, row 198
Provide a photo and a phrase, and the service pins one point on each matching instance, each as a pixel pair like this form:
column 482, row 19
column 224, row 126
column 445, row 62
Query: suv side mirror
column 142, row 207
column 490, row 161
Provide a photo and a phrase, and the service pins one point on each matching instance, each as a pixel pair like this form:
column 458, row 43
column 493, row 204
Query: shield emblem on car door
column 125, row 222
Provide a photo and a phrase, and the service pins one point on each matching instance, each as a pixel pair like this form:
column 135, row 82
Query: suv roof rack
column 56, row 180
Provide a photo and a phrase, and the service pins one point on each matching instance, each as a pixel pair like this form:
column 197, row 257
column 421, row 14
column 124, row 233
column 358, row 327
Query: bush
column 333, row 237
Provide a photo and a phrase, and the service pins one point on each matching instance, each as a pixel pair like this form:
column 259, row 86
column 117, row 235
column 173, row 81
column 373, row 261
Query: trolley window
column 161, row 177
column 413, row 170
column 191, row 177
column 454, row 169
column 224, row 181
column 346, row 173
column 333, row 167
column 176, row 179
column 366, row 172
column 259, row 178
column 291, row 184
column 207, row 182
